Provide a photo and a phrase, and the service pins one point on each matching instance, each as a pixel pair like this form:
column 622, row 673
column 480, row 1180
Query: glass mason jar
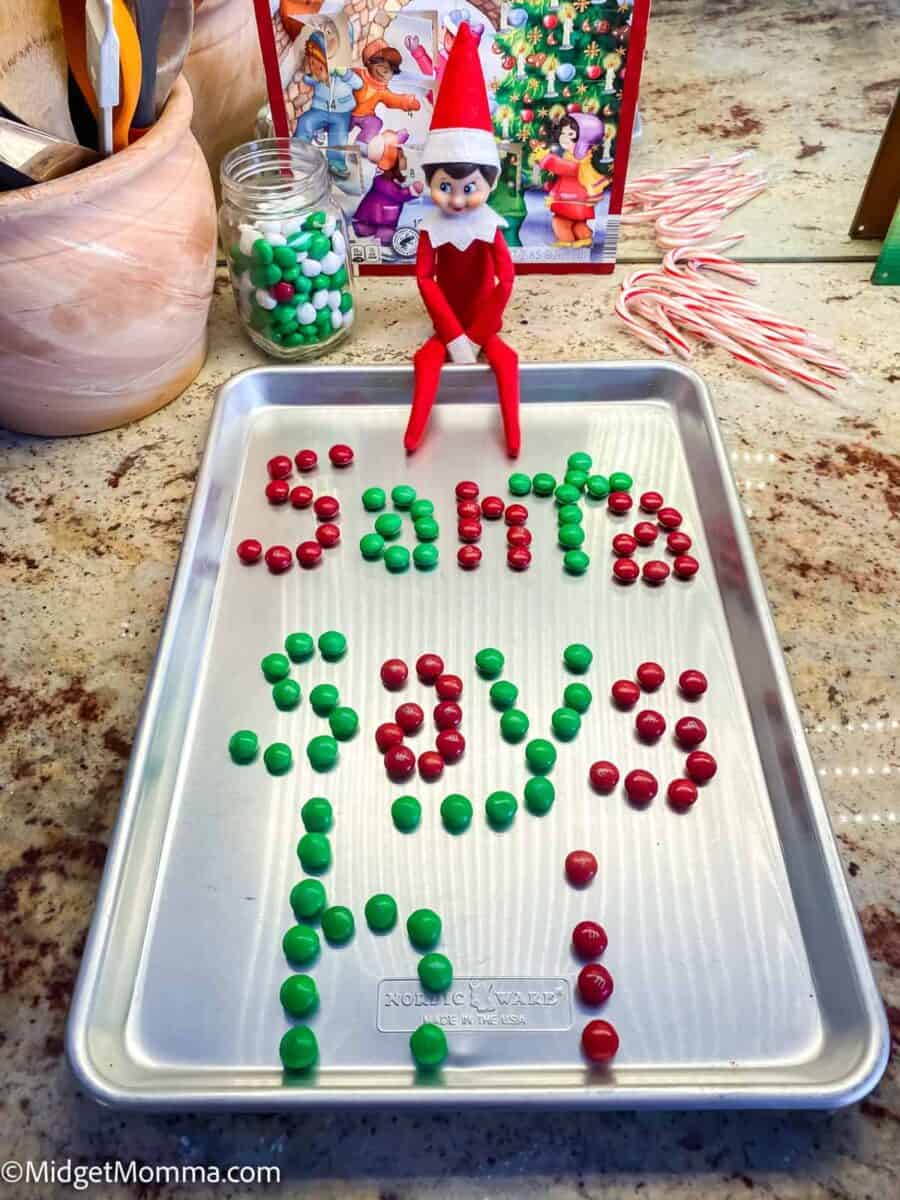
column 286, row 243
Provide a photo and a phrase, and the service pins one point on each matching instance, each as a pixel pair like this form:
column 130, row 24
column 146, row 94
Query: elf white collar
column 474, row 225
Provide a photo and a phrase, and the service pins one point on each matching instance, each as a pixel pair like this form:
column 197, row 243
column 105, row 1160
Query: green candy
column 302, row 287
column 281, row 314
column 338, row 924
column 567, row 494
column 315, row 220
column 332, row 646
column 519, row 484
column 243, row 746
column 271, row 274
column 543, row 484
column 299, row 240
column 346, row 301
column 294, row 338
column 275, row 667
column 338, row 279
column 456, row 813
column 277, row 336
column 314, row 852
column 396, row 559
column 381, row 912
column 424, row 928
column 344, row 723
column 371, row 546
column 388, row 525
column 577, row 479
column 317, row 283
column 514, row 725
column 425, row 556
column 324, row 698
column 299, row 1049
column 421, row 508
column 317, row 815
column 403, row 495
column 278, row 758
column 576, row 562
column 539, row 795
column 258, row 319
column 435, row 972
column 299, row 647
column 569, row 514
column 290, row 275
column 300, row 944
column 577, row 697
column 263, row 252
column 258, row 277
column 322, row 753
column 374, row 499
column 580, row 461
column 577, row 658
column 319, row 245
column 427, row 529
column 428, row 1044
column 406, row 813
column 566, row 722
column 540, row 756
column 307, row 899
column 299, row 994
column 323, row 318
column 503, row 694
column 570, row 537
column 285, row 257
column 489, row 662
column 286, row 694
column 620, row 481
column 500, row 808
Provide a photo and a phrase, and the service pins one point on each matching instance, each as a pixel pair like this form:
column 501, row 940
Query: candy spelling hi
column 463, row 267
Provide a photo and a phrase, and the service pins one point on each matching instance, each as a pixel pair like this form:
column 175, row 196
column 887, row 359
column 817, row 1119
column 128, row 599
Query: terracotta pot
column 107, row 277
column 225, row 71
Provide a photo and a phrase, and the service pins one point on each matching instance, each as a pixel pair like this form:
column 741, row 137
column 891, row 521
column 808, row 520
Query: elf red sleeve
column 446, row 324
column 489, row 318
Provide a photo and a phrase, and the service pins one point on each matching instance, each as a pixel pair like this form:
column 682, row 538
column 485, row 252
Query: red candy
column 646, row 533
column 309, row 554
column 619, row 502
column 589, row 939
column 341, row 455
column 467, row 490
column 692, row 683
column 448, row 687
column 650, row 725
column 400, row 762
column 518, row 558
column 283, row 292
column 277, row 491
column 516, row 514
column 278, row 559
column 625, row 692
column 678, row 542
column 651, row 502
column 468, row 557
column 328, row 535
column 685, row 565
column 447, row 714
column 595, row 984
column 669, row 518
column 468, row 510
column 431, row 765
column 388, row 735
column 469, row 530
column 518, row 535
column 301, row 496
column 604, row 776
column 249, row 550
column 492, row 508
column 326, row 508
column 306, row 460
column 690, row 731
column 650, row 676
column 280, row 466
column 451, row 745
column 641, row 786
column 599, row 1041
column 655, row 571
column 624, row 544
column 700, row 766
column 429, row 667
column 626, row 570
column 409, row 717
column 394, row 674
column 581, row 867
column 682, row 793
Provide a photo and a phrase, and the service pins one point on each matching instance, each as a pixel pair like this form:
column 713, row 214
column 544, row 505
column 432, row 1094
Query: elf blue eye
column 469, row 189
column 445, row 187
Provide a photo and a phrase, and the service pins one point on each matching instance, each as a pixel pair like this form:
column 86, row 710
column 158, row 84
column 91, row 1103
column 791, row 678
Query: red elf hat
column 461, row 129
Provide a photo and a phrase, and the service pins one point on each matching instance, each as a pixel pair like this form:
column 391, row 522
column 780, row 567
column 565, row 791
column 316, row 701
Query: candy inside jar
column 286, row 244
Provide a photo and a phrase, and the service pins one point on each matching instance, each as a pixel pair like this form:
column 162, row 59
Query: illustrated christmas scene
column 361, row 81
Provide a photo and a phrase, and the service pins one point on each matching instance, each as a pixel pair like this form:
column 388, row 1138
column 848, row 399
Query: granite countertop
column 89, row 534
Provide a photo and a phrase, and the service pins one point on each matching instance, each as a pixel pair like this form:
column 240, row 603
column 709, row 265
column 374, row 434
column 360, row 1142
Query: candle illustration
column 520, row 64
column 568, row 20
column 550, row 65
column 609, row 133
column 504, row 116
column 611, row 63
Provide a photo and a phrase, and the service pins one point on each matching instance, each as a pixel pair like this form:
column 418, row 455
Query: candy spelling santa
column 463, row 267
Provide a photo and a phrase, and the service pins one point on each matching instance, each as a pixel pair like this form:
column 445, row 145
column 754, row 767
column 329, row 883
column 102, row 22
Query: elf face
column 456, row 196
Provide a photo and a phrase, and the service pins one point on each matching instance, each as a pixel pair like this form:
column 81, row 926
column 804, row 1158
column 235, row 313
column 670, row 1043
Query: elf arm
column 446, row 323
column 489, row 317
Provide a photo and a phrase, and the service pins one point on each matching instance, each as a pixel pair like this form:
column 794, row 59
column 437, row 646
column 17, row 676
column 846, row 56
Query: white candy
column 331, row 262
column 338, row 245
column 245, row 283
column 249, row 234
column 264, row 300
column 320, row 298
column 348, row 318
column 334, row 299
column 330, row 226
column 311, row 267
column 336, row 320
column 291, row 225
column 271, row 228
column 306, row 314
column 277, row 239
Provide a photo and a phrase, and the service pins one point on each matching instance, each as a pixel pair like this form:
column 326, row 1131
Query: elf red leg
column 427, row 363
column 505, row 365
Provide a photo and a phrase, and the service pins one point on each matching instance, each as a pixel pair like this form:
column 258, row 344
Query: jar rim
column 300, row 167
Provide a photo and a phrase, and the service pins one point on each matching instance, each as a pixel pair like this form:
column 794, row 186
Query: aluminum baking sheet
column 741, row 976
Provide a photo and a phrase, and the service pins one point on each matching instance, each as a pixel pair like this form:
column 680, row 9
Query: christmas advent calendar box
column 360, row 80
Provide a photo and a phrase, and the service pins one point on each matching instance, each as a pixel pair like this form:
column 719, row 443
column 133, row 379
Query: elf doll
column 463, row 266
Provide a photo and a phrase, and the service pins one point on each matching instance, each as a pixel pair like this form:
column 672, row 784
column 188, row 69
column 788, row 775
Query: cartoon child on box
column 463, row 267
column 332, row 102
column 381, row 63
column 378, row 213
